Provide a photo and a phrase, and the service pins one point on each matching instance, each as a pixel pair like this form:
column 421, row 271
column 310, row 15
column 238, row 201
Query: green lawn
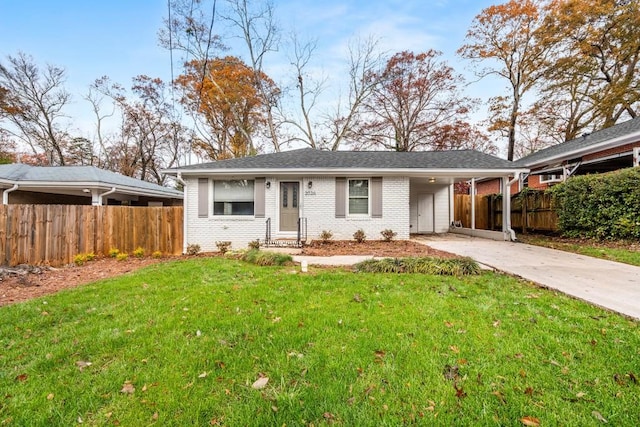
column 182, row 343
column 628, row 254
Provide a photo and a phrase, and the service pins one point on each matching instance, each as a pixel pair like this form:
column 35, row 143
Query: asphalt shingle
column 610, row 133
column 308, row 158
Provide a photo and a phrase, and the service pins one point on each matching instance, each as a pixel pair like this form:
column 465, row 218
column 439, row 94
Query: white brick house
column 297, row 194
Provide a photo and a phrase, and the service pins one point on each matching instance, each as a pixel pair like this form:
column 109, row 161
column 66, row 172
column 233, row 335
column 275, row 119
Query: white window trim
column 556, row 178
column 348, row 211
column 212, row 193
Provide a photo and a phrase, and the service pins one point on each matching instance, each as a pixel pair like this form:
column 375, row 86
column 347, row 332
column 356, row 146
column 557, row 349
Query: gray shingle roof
column 78, row 174
column 613, row 132
column 308, row 158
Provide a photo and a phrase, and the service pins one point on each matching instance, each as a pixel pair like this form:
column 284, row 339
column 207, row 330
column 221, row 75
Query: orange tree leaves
column 506, row 34
column 225, row 95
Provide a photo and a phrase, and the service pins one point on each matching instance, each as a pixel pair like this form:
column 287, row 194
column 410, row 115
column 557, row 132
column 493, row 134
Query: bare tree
column 36, row 99
column 415, row 102
column 258, row 28
column 151, row 137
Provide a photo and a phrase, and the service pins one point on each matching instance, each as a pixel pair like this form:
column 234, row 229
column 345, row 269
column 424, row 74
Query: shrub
column 359, row 236
column 113, row 252
column 138, row 252
column 388, row 234
column 156, row 254
column 90, row 256
column 254, row 244
column 80, row 259
column 424, row 265
column 602, row 206
column 265, row 258
column 223, row 246
column 193, row 249
column 325, row 236
column 122, row 256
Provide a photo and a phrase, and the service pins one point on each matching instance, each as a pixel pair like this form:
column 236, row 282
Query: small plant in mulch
column 359, row 236
column 156, row 254
column 193, row 249
column 326, row 236
column 254, row 244
column 223, row 246
column 113, row 252
column 388, row 234
column 138, row 252
column 122, row 256
column 80, row 259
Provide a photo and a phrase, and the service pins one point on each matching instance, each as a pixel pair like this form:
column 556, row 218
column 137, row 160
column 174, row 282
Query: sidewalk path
column 608, row 284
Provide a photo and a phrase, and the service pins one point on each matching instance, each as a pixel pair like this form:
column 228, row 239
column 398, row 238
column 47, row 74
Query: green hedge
column 602, row 206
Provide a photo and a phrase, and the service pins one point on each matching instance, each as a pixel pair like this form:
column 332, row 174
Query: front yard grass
column 183, row 343
column 627, row 254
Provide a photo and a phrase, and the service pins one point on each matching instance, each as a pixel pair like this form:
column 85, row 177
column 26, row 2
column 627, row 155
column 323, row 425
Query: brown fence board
column 531, row 211
column 55, row 234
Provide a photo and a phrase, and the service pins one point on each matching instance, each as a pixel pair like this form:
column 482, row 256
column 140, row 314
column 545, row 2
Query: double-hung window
column 358, row 197
column 234, row 197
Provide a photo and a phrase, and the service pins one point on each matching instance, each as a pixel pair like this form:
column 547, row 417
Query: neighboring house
column 79, row 185
column 606, row 150
column 298, row 194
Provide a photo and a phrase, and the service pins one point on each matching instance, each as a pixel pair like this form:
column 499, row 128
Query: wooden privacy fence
column 55, row 234
column 530, row 211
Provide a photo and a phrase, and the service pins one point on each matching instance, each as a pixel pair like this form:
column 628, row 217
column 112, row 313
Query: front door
column 425, row 213
column 289, row 206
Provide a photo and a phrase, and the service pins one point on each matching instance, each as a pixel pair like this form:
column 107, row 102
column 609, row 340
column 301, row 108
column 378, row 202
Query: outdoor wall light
column 310, row 185
column 268, row 184
column 432, row 180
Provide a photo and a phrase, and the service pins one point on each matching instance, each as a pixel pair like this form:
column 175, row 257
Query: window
column 233, row 197
column 358, row 197
column 547, row 178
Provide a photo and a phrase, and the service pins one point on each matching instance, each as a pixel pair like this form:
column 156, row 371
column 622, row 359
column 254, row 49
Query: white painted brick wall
column 316, row 204
column 319, row 209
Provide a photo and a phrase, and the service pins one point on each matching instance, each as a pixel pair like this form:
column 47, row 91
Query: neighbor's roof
column 79, row 176
column 308, row 159
column 619, row 134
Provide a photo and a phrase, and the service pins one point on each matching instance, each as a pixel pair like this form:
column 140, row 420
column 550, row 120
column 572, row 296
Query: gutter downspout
column 5, row 194
column 184, row 212
column 100, row 196
column 507, row 208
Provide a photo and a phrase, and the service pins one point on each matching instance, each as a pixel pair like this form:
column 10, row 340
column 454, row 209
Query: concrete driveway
column 608, row 284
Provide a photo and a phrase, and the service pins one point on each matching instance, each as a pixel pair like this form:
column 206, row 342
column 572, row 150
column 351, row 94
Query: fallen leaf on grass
column 81, row 364
column 599, row 416
column 50, row 396
column 459, row 391
column 202, row 375
column 22, row 377
column 530, row 421
column 454, row 348
column 633, row 378
column 496, row 323
column 127, row 388
column 260, row 383
column 450, row 372
column 500, row 396
column 155, row 416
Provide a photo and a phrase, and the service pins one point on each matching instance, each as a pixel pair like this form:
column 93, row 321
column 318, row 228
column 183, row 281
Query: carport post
column 473, row 203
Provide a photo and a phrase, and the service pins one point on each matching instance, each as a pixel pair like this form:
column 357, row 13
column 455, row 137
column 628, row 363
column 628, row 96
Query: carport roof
column 308, row 159
column 80, row 176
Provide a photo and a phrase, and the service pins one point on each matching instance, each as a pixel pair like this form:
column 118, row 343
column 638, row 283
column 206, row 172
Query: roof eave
column 621, row 140
column 80, row 185
column 411, row 172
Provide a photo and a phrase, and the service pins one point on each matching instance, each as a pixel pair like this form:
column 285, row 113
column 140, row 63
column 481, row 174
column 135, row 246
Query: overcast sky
column 118, row 38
